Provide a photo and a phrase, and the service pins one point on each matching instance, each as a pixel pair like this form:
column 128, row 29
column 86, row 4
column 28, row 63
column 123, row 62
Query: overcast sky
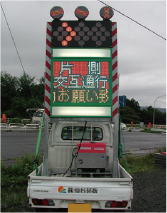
column 141, row 54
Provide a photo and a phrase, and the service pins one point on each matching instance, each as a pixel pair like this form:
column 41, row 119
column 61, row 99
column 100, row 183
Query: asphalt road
column 141, row 140
column 15, row 143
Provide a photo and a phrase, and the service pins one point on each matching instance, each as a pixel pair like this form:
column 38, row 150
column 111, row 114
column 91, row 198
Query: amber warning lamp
column 106, row 12
column 57, row 12
column 81, row 12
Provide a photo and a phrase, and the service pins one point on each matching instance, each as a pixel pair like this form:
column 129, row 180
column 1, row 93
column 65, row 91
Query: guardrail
column 159, row 126
column 134, row 129
column 3, row 126
column 158, row 130
column 20, row 127
column 31, row 126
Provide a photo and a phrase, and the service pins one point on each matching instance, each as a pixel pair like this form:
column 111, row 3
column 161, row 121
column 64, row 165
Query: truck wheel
column 160, row 159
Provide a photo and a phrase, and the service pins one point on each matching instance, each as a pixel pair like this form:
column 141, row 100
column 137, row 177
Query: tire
column 160, row 159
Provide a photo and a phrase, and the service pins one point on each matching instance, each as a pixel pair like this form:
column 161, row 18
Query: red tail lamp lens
column 124, row 203
column 116, row 204
column 73, row 33
column 68, row 29
column 68, row 38
column 64, row 24
column 64, row 43
column 43, row 202
column 40, row 202
column 35, row 201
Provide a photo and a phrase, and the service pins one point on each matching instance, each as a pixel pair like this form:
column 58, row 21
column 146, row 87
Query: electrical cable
column 76, row 154
column 123, row 143
column 163, row 3
column 125, row 152
column 133, row 20
column 36, row 160
column 17, row 50
column 12, row 38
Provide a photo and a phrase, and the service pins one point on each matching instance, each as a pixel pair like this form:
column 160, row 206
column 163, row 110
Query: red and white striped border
column 115, row 103
column 48, row 70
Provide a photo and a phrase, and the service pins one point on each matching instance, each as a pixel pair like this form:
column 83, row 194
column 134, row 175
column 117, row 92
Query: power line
column 133, row 20
column 12, row 37
column 17, row 51
column 163, row 2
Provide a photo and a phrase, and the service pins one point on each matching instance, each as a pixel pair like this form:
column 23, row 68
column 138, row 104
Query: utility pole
column 154, row 108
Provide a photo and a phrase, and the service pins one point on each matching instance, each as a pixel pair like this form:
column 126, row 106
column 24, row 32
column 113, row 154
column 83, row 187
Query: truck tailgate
column 64, row 190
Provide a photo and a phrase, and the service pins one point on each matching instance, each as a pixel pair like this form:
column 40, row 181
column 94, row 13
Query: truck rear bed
column 58, row 192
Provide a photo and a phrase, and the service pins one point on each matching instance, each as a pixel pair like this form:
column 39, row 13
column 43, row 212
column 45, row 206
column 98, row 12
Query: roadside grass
column 136, row 164
column 143, row 163
column 14, row 184
column 134, row 125
column 147, row 130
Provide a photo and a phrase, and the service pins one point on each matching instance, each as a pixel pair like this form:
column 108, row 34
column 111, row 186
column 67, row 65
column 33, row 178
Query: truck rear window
column 76, row 132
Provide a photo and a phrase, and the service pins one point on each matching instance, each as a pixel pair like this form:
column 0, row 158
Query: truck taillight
column 43, row 202
column 116, row 204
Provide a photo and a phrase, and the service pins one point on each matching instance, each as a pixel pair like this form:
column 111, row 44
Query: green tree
column 38, row 92
column 131, row 112
column 18, row 109
column 134, row 105
column 160, row 117
column 147, row 116
column 163, row 118
column 9, row 89
column 20, row 93
column 128, row 114
column 25, row 82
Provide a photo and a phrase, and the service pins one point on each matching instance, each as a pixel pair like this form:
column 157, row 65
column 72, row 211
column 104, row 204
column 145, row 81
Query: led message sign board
column 81, row 68
column 83, row 83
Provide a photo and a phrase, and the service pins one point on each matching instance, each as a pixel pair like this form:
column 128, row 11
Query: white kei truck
column 82, row 179
column 81, row 170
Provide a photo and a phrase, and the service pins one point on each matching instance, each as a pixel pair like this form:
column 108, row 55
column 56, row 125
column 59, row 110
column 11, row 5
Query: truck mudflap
column 101, row 193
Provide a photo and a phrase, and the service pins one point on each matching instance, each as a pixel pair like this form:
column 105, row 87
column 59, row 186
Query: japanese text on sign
column 81, row 81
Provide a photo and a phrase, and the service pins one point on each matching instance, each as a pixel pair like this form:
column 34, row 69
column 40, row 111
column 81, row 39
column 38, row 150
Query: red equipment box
column 92, row 148
column 91, row 156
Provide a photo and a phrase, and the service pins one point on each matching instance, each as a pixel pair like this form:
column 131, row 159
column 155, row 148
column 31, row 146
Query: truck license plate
column 79, row 207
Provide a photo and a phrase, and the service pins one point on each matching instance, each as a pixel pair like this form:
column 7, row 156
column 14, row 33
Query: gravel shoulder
column 149, row 190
